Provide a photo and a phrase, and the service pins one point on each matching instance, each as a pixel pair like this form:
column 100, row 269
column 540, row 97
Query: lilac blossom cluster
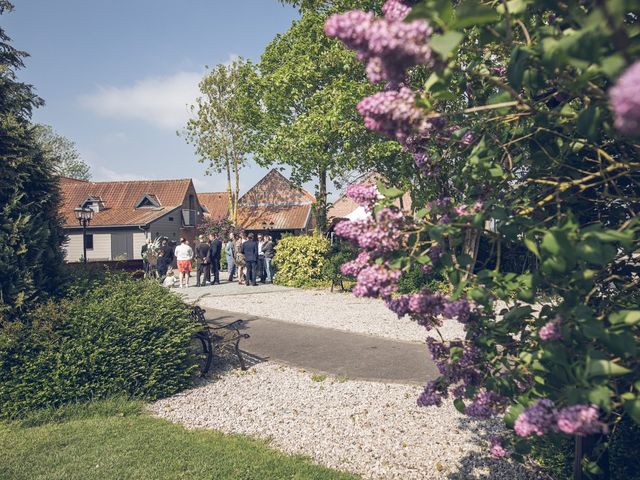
column 376, row 281
column 388, row 46
column 353, row 268
column 543, row 417
column 624, row 97
column 551, row 330
column 394, row 113
column 363, row 194
column 496, row 448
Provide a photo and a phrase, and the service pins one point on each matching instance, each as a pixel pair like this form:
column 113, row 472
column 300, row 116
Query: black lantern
column 84, row 216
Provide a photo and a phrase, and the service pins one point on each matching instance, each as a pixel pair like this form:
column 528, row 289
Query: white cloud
column 160, row 101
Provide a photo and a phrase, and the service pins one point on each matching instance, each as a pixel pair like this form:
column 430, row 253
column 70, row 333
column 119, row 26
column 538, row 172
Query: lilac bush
column 512, row 155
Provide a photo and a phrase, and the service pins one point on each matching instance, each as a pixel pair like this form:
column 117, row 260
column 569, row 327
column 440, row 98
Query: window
column 88, row 241
column 171, row 219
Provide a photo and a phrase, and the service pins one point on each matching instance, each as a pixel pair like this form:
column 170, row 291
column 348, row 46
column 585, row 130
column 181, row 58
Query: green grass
column 116, row 439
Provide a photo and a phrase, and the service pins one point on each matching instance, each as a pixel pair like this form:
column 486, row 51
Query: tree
column 217, row 132
column 62, row 153
column 30, row 228
column 309, row 87
column 526, row 130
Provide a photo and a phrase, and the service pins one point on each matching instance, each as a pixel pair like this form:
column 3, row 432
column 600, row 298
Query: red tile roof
column 120, row 198
column 217, row 204
column 283, row 217
column 275, row 189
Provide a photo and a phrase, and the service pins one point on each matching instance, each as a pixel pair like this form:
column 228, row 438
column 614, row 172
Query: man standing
column 184, row 254
column 268, row 251
column 165, row 258
column 229, row 252
column 261, row 271
column 250, row 252
column 214, row 253
column 203, row 262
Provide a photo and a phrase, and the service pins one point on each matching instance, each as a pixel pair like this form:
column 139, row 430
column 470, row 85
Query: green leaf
column 605, row 368
column 532, row 246
column 459, row 404
column 473, row 13
column 600, row 395
column 550, row 243
column 632, row 407
column 588, row 124
column 512, row 414
column 629, row 317
column 446, row 43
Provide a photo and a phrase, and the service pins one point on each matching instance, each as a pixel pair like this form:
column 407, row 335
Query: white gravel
column 368, row 428
column 320, row 308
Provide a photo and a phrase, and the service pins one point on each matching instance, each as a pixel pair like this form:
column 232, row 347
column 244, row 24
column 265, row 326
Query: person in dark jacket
column 250, row 251
column 203, row 262
column 215, row 249
column 268, row 251
column 165, row 258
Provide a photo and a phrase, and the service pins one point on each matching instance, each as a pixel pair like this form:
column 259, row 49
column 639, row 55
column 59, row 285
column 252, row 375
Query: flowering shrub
column 523, row 120
column 300, row 261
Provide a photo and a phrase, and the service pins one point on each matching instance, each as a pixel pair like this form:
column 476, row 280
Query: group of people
column 248, row 257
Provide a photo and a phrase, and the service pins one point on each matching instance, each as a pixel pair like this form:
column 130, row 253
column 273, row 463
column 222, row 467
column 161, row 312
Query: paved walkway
column 317, row 349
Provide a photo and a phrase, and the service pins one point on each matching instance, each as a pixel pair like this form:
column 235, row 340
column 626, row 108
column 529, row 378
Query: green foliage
column 61, row 152
column 30, row 229
column 118, row 337
column 300, row 261
column 340, row 254
column 115, row 439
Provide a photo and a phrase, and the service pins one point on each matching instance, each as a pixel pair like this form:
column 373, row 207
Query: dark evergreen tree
column 30, row 228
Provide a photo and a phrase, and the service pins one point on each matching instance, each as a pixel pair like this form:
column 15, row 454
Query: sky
column 117, row 75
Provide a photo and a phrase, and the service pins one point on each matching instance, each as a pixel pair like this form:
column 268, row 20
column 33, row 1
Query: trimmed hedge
column 121, row 336
column 300, row 261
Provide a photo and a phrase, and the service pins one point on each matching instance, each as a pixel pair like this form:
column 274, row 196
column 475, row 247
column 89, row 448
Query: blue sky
column 117, row 75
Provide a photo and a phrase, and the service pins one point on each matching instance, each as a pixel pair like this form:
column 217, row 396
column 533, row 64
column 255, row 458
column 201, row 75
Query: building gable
column 274, row 189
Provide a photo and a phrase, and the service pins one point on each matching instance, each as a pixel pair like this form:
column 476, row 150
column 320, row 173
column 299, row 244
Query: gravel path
column 368, row 428
column 341, row 311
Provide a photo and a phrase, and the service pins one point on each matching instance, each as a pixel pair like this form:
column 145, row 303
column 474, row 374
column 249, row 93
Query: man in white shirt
column 184, row 254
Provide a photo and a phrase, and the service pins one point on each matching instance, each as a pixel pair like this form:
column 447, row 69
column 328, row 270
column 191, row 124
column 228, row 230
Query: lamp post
column 83, row 215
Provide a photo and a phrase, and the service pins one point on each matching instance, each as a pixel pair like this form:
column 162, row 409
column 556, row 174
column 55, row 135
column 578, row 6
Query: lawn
column 116, row 439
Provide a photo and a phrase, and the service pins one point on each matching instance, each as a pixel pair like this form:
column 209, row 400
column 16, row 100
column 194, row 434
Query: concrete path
column 331, row 351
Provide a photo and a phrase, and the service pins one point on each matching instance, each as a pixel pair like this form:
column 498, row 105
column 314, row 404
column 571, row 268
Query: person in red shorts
column 184, row 255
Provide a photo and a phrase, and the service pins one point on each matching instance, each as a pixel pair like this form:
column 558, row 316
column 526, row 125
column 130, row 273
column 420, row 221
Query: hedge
column 300, row 261
column 121, row 337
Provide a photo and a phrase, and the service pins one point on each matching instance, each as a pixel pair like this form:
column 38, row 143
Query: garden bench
column 213, row 337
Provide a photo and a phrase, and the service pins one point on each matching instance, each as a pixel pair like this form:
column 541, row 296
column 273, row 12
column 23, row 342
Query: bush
column 300, row 261
column 121, row 337
column 339, row 254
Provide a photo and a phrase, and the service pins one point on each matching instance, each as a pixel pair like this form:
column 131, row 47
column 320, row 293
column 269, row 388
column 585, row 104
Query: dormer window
column 148, row 201
column 94, row 203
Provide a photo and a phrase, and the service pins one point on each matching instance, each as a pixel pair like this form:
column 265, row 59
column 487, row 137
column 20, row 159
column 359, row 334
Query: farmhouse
column 125, row 214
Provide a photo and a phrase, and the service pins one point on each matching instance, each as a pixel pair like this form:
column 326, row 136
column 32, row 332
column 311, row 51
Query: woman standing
column 184, row 254
column 240, row 263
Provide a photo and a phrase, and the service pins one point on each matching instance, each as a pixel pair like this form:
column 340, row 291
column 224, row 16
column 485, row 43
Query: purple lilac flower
column 395, row 10
column 376, row 281
column 467, row 138
column 459, row 309
column 485, row 404
column 394, row 113
column 352, row 229
column 551, row 330
column 426, row 303
column 624, row 97
column 579, row 420
column 497, row 450
column 363, row 194
column 353, row 268
column 438, row 350
column 430, row 395
column 538, row 419
column 388, row 45
column 459, row 391
column 399, row 305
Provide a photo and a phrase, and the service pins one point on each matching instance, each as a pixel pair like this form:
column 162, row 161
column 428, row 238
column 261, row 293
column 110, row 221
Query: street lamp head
column 83, row 214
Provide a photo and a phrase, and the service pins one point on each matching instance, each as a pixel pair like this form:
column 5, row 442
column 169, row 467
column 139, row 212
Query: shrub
column 122, row 337
column 340, row 254
column 300, row 261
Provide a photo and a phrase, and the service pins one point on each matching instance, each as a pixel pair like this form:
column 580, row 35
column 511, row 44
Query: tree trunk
column 470, row 247
column 321, row 205
column 236, row 171
column 229, row 194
